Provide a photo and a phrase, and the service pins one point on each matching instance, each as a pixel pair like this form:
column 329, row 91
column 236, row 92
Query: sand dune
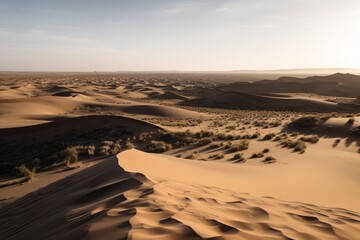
column 37, row 105
column 106, row 202
column 302, row 179
column 332, row 127
column 61, row 126
column 241, row 100
column 66, row 102
column 146, row 109
column 346, row 85
column 66, row 94
column 169, row 95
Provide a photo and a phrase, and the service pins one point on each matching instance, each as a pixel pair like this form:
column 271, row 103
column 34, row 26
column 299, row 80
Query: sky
column 196, row 35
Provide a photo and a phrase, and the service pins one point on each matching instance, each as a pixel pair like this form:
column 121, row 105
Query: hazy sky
column 107, row 35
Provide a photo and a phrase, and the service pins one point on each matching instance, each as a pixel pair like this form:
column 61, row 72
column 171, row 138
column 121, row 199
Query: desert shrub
column 269, row 159
column 203, row 134
column 240, row 146
column 232, row 127
column 257, row 155
column 255, row 135
column 85, row 150
column 26, row 172
column 288, row 143
column 204, row 141
column 105, row 150
column 294, row 134
column 109, row 147
column 217, row 156
column 129, row 145
column 305, row 122
column 107, row 143
column 300, row 146
column 311, row 139
column 269, row 136
column 216, row 145
column 251, row 136
column 36, row 163
column 193, row 155
column 91, row 150
column 266, row 150
column 239, row 157
column 116, row 148
column 159, row 147
column 221, row 136
column 277, row 138
column 70, row 155
column 275, row 123
column 178, row 139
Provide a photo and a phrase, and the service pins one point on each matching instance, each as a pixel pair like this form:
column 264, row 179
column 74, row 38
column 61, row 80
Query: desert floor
column 175, row 157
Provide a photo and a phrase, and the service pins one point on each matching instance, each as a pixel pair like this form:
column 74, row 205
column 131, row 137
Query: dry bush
column 269, row 159
column 269, row 136
column 70, row 155
column 159, row 147
column 277, row 138
column 26, row 172
column 110, row 147
column 305, row 122
column 216, row 145
column 239, row 157
column 105, row 150
column 91, row 150
column 116, row 148
column 311, row 139
column 240, row 146
column 217, row 156
column 257, row 155
column 266, row 150
column 85, row 150
column 298, row 145
column 204, row 141
column 193, row 155
column 294, row 134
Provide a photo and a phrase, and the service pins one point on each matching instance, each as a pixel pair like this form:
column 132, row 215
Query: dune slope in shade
column 64, row 210
column 242, row 100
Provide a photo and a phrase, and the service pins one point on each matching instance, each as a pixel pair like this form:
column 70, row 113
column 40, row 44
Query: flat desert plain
column 179, row 156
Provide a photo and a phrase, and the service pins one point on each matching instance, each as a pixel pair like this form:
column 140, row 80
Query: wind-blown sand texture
column 106, row 202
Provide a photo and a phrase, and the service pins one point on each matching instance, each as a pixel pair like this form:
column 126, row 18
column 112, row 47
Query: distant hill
column 304, row 71
column 343, row 85
column 251, row 101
